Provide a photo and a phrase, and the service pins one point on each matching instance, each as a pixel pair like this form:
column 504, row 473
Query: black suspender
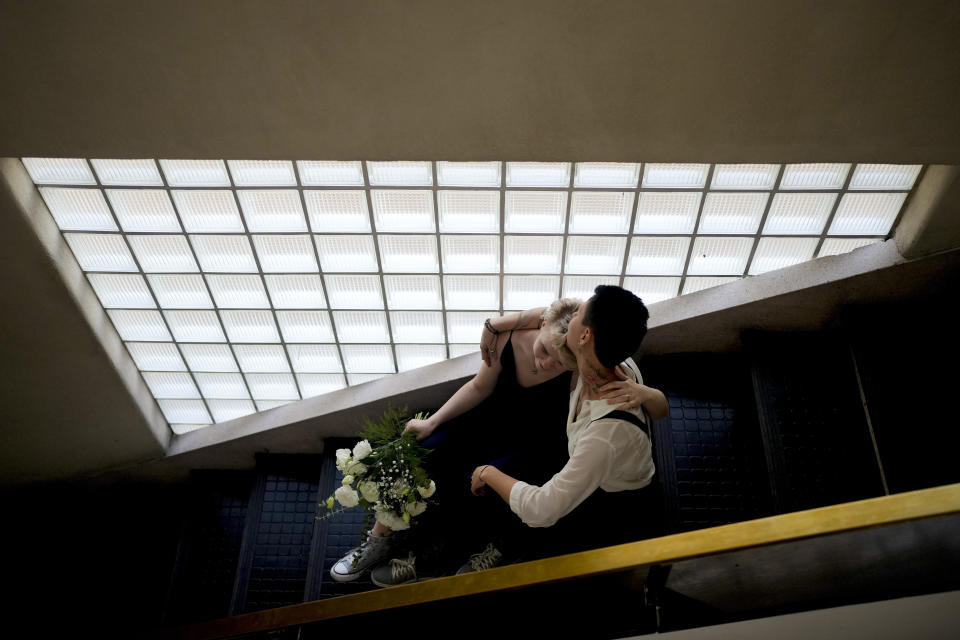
column 632, row 418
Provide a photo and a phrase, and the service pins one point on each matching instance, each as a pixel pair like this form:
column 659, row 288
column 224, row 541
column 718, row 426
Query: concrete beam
column 931, row 221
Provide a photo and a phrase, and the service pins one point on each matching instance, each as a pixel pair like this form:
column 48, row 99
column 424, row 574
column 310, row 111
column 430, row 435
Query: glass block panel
column 184, row 411
column 144, row 210
column 238, row 291
column 417, row 326
column 719, row 256
column 468, row 174
column 134, row 325
column 361, row 326
column 413, row 356
column 222, row 385
column 346, row 253
column 317, row 384
column 538, row 174
column 322, row 173
column 457, row 350
column 581, row 287
column 78, row 209
column 675, row 176
column 133, row 173
column 469, row 211
column 302, row 291
column 532, row 254
column 693, row 284
column 337, row 211
column 315, row 358
column 866, row 214
column 164, row 384
column 657, row 256
column 180, row 291
column 262, row 173
column 466, row 327
column 652, row 290
column 226, row 410
column 404, row 211
column 195, row 326
column 814, row 176
column 470, row 254
column 535, row 211
column 224, row 254
column 163, row 254
column 667, row 212
column 799, row 213
column 408, row 254
column 101, row 251
column 156, row 356
column 290, row 254
column 471, row 292
column 593, row 254
column 261, row 358
column 745, row 176
column 181, row 429
column 600, row 212
column 732, row 213
column 122, row 290
column 368, row 358
column 360, row 378
column 250, row 326
column 412, row 292
column 836, row 246
column 208, row 211
column 305, row 326
column 614, row 175
column 209, row 357
column 276, row 210
column 59, row 171
column 526, row 292
column 354, row 292
column 400, row 174
column 884, row 176
column 777, row 253
column 195, row 173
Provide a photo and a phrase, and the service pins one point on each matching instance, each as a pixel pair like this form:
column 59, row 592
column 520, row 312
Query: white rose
column 347, row 481
column 416, row 508
column 389, row 519
column 342, row 456
column 428, row 490
column 347, row 497
column 362, row 450
column 369, row 491
column 356, row 468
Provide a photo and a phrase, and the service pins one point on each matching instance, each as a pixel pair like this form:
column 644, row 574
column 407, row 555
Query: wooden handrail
column 851, row 516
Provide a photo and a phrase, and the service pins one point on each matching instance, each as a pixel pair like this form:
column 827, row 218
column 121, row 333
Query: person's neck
column 593, row 374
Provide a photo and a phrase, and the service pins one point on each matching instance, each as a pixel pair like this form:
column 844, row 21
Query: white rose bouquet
column 383, row 472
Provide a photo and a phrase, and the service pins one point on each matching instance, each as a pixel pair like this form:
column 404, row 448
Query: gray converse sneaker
column 395, row 572
column 351, row 566
column 486, row 559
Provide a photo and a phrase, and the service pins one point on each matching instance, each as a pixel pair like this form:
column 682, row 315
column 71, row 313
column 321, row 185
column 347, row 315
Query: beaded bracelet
column 489, row 327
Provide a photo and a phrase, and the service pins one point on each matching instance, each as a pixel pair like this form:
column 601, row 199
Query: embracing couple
column 511, row 484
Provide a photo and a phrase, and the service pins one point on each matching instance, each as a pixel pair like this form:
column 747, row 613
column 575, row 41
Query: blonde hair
column 556, row 321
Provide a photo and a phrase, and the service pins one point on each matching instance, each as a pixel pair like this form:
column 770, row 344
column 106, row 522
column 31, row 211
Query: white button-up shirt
column 611, row 454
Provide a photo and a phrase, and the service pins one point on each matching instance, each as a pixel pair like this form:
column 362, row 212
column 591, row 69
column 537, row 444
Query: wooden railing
column 633, row 557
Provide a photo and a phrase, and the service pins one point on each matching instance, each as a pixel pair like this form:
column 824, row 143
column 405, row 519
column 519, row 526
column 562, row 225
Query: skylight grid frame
column 566, row 243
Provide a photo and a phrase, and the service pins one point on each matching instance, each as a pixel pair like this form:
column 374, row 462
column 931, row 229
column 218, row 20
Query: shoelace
column 486, row 559
column 403, row 570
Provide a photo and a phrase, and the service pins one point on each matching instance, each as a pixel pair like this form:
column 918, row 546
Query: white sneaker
column 486, row 559
column 351, row 566
column 395, row 572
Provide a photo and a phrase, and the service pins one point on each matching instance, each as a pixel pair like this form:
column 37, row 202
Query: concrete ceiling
column 709, row 81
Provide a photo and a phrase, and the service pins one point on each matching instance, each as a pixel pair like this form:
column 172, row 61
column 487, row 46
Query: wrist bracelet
column 480, row 475
column 489, row 327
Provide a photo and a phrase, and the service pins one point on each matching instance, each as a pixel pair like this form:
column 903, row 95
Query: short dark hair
column 619, row 322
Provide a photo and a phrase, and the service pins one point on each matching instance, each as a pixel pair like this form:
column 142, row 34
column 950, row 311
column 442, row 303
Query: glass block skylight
column 242, row 285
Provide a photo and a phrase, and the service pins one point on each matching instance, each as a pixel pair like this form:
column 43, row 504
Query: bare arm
column 472, row 393
column 529, row 319
column 630, row 394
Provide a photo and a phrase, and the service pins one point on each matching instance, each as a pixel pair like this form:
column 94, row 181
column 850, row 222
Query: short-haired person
column 608, row 453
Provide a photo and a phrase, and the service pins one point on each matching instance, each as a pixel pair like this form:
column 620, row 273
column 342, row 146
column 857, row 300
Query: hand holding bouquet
column 383, row 473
